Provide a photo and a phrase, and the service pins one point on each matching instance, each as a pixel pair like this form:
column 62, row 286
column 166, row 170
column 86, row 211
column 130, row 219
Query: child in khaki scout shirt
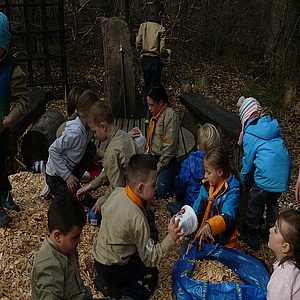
column 117, row 147
column 56, row 274
column 125, row 255
column 150, row 43
column 162, row 141
column 13, row 104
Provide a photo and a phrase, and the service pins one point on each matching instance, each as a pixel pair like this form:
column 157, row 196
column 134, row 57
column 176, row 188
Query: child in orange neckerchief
column 162, row 139
column 126, row 256
column 221, row 191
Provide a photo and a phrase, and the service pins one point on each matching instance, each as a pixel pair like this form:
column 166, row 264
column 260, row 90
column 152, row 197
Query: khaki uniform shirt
column 117, row 151
column 57, row 276
column 124, row 231
column 19, row 95
column 150, row 40
column 165, row 139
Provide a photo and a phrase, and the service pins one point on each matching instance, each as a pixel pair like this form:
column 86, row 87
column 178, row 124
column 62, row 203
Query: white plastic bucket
column 188, row 219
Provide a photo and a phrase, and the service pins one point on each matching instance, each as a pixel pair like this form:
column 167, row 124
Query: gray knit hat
column 4, row 31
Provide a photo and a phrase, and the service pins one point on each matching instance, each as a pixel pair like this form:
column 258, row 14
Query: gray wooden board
column 210, row 111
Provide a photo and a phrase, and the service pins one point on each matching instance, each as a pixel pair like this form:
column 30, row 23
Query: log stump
column 37, row 140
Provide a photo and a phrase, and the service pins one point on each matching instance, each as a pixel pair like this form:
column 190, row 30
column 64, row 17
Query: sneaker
column 10, row 204
column 108, row 290
column 4, row 218
column 45, row 191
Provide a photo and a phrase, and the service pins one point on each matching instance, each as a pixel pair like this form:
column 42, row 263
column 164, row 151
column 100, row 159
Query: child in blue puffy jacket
column 266, row 167
column 189, row 179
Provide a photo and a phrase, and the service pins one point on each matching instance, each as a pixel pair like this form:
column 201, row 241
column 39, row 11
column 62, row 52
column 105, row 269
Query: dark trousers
column 259, row 200
column 58, row 185
column 166, row 179
column 139, row 281
column 5, row 186
column 152, row 69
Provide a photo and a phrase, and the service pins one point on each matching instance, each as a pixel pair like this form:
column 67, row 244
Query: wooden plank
column 210, row 111
column 130, row 124
column 125, row 125
column 143, row 127
column 119, row 123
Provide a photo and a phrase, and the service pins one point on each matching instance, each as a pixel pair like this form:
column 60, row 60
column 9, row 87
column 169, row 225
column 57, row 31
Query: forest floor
column 21, row 239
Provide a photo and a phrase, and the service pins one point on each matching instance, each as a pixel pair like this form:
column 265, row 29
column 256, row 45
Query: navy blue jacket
column 189, row 179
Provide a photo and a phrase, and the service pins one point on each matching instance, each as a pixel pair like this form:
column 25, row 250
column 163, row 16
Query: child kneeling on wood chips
column 125, row 255
column 56, row 274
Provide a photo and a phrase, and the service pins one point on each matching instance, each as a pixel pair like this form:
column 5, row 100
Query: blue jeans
column 166, row 179
column 152, row 68
column 259, row 199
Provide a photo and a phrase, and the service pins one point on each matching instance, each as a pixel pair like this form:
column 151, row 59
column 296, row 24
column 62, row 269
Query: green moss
column 268, row 96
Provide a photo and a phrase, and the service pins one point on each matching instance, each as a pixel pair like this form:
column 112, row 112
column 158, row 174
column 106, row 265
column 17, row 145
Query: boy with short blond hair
column 125, row 255
column 56, row 274
column 116, row 149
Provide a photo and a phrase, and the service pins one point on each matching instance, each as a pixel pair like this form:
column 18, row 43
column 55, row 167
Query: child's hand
column 7, row 121
column 174, row 229
column 72, row 183
column 134, row 133
column 83, row 191
column 206, row 233
column 96, row 209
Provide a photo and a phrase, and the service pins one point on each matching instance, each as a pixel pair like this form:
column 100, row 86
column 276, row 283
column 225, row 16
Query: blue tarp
column 250, row 270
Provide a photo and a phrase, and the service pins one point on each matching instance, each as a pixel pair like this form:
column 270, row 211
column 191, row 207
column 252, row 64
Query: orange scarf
column 134, row 198
column 153, row 125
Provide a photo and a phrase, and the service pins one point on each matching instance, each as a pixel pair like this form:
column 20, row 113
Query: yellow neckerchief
column 152, row 126
column 214, row 192
column 134, row 198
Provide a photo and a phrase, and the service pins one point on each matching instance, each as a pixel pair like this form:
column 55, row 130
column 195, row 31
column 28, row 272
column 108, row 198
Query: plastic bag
column 250, row 270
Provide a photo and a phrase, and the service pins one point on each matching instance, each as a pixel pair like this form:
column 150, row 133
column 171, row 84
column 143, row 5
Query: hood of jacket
column 270, row 127
column 196, row 159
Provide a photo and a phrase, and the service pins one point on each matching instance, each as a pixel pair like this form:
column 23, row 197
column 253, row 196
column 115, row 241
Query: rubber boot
column 251, row 238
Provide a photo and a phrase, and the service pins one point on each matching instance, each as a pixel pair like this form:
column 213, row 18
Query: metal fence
column 38, row 39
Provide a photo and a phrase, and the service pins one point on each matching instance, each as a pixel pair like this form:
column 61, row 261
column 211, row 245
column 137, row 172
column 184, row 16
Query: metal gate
column 38, row 39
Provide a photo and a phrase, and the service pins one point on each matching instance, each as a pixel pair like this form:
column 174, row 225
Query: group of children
column 125, row 253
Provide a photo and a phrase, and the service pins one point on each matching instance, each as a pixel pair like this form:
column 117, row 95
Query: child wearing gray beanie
column 13, row 104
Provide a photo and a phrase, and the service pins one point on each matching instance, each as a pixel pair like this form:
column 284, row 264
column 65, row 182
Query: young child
column 125, row 255
column 72, row 153
column 13, row 104
column 222, row 188
column 266, row 167
column 284, row 241
column 189, row 179
column 162, row 140
column 72, row 102
column 55, row 273
column 117, row 148
column 150, row 43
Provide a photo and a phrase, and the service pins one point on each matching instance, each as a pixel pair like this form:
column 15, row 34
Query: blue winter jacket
column 189, row 179
column 226, row 206
column 266, row 160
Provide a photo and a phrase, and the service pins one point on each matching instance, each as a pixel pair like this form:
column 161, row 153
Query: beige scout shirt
column 165, row 138
column 117, row 151
column 19, row 94
column 150, row 40
column 57, row 276
column 124, row 231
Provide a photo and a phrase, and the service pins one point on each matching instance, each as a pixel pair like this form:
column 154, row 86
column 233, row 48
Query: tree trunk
column 283, row 52
column 37, row 140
